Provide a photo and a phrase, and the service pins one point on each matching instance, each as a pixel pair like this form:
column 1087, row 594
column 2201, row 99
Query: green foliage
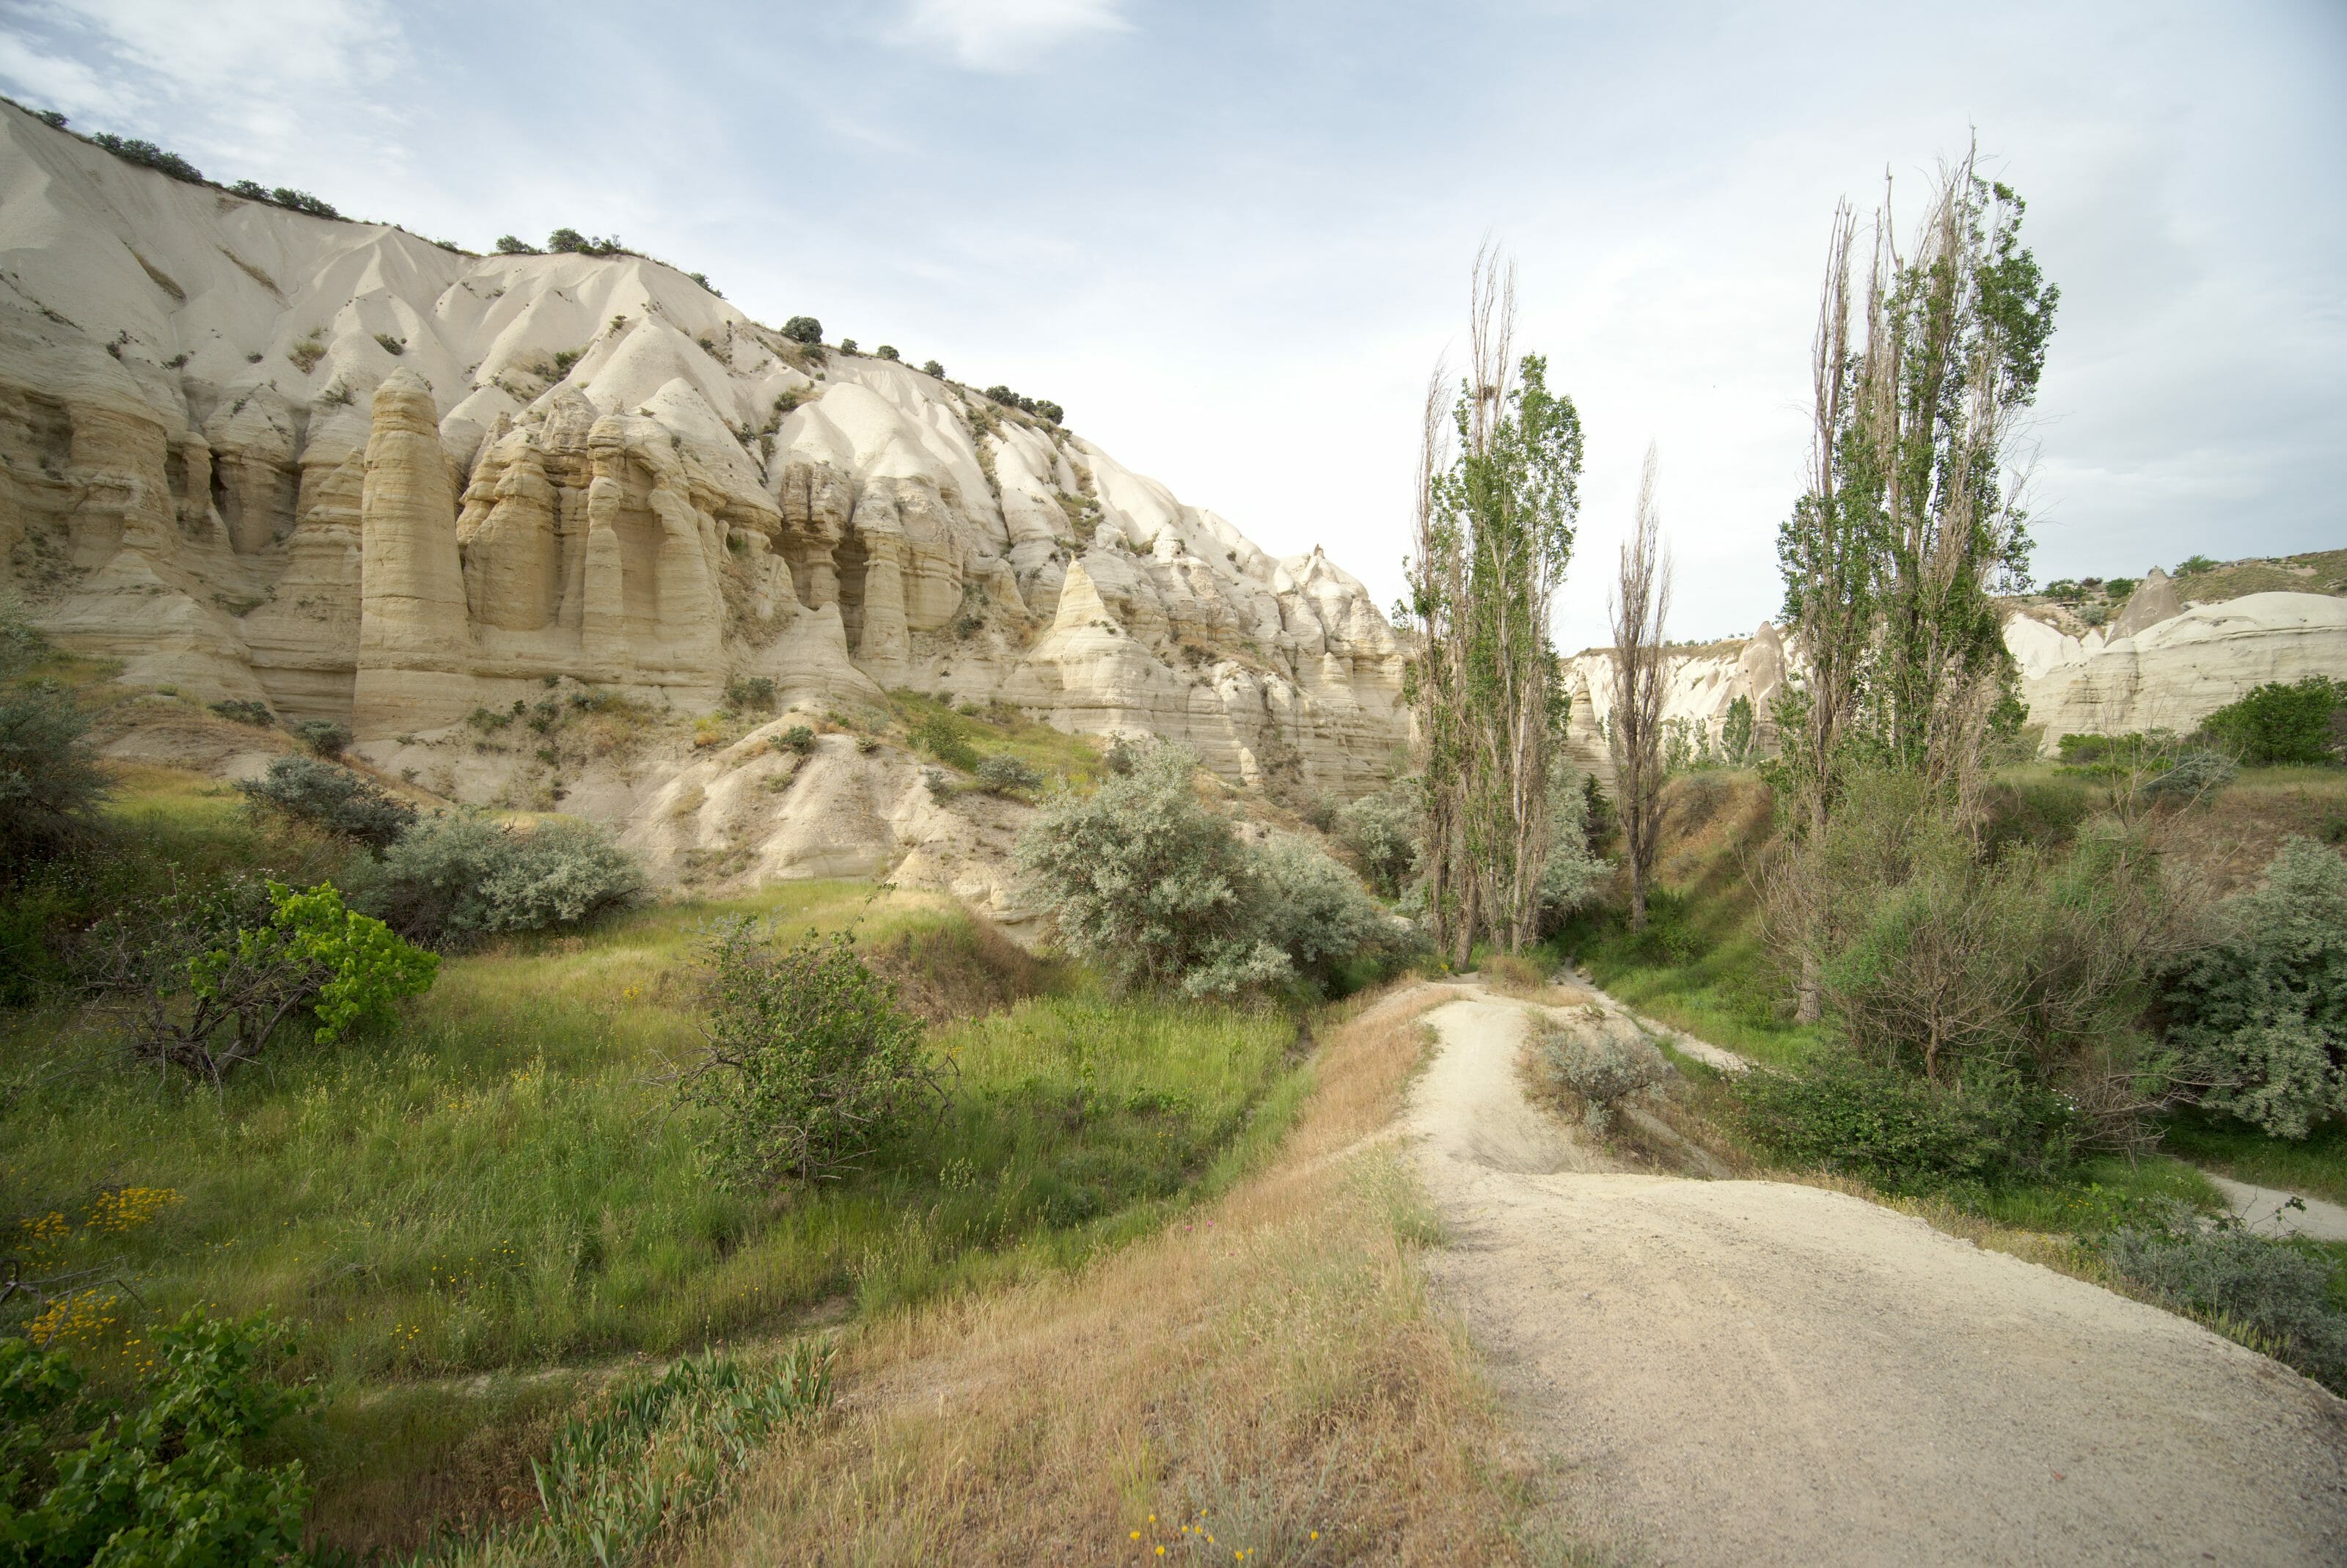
column 571, row 242
column 169, row 1479
column 2196, row 563
column 2262, row 1011
column 1003, row 774
column 1495, row 536
column 1381, row 831
column 245, row 712
column 1736, row 733
column 454, row 879
column 50, row 782
column 147, row 155
column 2275, row 1296
column 1602, row 1066
column 1573, row 874
column 2280, row 724
column 1147, row 883
column 1315, row 911
column 2033, row 968
column 798, row 738
column 657, row 1454
column 324, row 736
column 333, row 799
column 202, row 982
column 811, row 1064
column 803, row 330
column 931, row 367
column 1900, row 1131
column 513, row 245
column 937, row 733
column 753, row 694
column 886, row 350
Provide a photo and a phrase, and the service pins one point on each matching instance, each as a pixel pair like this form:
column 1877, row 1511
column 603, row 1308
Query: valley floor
column 1760, row 1372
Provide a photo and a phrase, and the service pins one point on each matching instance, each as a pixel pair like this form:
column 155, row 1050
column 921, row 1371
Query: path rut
column 1757, row 1373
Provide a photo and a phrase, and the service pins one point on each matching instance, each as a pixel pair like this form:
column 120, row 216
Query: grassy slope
column 502, row 1180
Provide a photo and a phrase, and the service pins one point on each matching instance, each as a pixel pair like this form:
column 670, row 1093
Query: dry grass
column 1268, row 1379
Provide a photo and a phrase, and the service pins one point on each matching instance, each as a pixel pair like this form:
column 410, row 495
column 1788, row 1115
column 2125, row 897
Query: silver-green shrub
column 1603, row 1061
column 454, row 879
column 2262, row 1011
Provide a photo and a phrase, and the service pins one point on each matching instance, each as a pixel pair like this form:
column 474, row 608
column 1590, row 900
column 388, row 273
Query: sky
column 1232, row 240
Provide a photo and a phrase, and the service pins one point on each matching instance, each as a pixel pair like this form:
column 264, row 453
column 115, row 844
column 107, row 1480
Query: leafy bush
column 514, row 245
column 201, row 981
column 1381, row 831
column 886, row 350
column 245, row 712
column 2193, row 775
column 333, row 798
column 938, row 735
column 798, row 738
column 454, row 879
column 324, row 736
column 169, row 1479
column 2261, row 1011
column 1315, row 911
column 1603, row 1060
column 571, row 242
column 1900, row 1131
column 2278, row 724
column 1048, row 410
column 811, row 1066
column 146, row 154
column 753, row 693
column 2191, row 564
column 2270, row 1294
column 1158, row 891
column 803, row 329
column 51, row 783
column 1573, row 874
column 2031, row 968
column 931, row 367
column 1003, row 774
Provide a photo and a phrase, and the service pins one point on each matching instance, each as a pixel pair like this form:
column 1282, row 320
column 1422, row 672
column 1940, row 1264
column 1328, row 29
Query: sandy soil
column 1756, row 1373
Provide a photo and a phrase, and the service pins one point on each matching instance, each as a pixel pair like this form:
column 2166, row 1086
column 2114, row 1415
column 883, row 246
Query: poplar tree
column 1498, row 496
column 1641, row 604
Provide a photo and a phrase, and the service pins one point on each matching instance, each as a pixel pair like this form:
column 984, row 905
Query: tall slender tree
column 1641, row 605
column 1495, row 517
column 1912, row 519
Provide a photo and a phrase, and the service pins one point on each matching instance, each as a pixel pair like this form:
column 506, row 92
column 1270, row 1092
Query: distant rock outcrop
column 331, row 466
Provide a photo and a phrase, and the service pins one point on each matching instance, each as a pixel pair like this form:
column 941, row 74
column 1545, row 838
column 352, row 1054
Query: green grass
column 1702, row 966
column 2315, row 1166
column 1002, row 729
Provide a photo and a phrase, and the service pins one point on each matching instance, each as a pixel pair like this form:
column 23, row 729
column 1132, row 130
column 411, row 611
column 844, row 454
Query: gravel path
column 1756, row 1373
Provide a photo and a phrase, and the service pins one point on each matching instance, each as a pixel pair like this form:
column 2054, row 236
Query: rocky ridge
column 339, row 469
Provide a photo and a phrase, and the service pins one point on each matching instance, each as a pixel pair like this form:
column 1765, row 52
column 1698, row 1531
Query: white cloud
column 261, row 70
column 1006, row 34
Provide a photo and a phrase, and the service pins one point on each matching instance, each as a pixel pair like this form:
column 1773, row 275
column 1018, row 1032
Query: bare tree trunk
column 1641, row 601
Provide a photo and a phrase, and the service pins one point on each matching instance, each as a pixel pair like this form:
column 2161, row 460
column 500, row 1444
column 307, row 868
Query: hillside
column 2162, row 653
column 338, row 469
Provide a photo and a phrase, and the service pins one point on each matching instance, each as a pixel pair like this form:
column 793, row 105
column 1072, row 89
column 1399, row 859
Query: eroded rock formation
column 340, row 469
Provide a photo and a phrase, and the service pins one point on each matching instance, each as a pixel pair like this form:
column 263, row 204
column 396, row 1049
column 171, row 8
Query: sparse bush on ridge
column 1003, row 774
column 1603, row 1063
column 333, row 798
column 803, row 330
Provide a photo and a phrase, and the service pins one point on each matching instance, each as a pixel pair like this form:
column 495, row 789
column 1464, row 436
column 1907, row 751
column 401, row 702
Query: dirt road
column 1756, row 1373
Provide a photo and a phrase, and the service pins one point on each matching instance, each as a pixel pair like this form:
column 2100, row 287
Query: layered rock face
column 2163, row 665
column 337, row 468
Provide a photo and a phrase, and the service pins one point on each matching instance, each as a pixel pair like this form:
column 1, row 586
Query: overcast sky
column 1231, row 239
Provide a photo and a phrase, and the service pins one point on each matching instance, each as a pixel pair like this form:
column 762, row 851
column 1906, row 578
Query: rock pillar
column 415, row 642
